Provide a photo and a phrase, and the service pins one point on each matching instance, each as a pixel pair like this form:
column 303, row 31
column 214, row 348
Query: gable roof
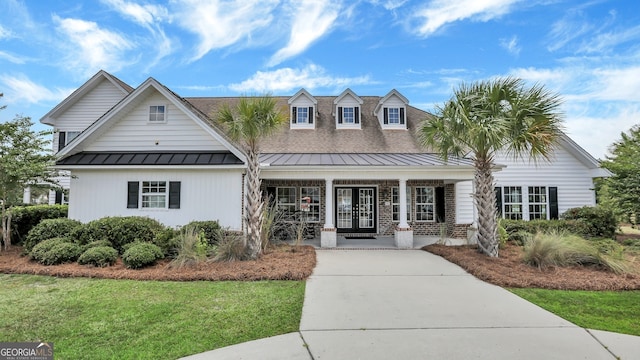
column 302, row 92
column 91, row 84
column 345, row 93
column 391, row 93
column 583, row 156
column 133, row 99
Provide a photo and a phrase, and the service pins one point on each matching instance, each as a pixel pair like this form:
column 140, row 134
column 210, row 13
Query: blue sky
column 588, row 51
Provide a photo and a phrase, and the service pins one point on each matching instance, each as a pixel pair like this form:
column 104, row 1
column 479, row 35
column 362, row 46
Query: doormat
column 360, row 237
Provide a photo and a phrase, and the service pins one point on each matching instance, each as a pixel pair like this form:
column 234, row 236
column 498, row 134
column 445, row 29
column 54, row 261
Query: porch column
column 328, row 236
column 26, row 195
column 403, row 235
column 402, row 194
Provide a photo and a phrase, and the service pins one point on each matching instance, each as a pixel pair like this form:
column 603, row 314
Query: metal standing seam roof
column 289, row 159
column 151, row 158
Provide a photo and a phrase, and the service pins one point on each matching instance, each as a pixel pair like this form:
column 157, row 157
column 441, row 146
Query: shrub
column 141, row 254
column 100, row 256
column 211, row 230
column 119, row 230
column 192, row 249
column 56, row 251
column 168, row 240
column 24, row 218
column 230, row 247
column 596, row 221
column 48, row 229
column 96, row 244
column 562, row 249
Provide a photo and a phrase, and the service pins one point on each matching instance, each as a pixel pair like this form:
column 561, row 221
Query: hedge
column 211, row 229
column 56, row 251
column 140, row 255
column 100, row 256
column 597, row 221
column 48, row 229
column 119, row 230
column 24, row 218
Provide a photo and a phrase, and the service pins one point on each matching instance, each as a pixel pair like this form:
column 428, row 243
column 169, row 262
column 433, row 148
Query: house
column 351, row 165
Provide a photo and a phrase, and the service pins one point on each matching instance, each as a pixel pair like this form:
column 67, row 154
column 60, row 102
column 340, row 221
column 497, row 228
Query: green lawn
column 617, row 311
column 124, row 319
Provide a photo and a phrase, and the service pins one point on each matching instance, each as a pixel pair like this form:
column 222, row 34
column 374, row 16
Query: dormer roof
column 344, row 94
column 391, row 93
column 302, row 92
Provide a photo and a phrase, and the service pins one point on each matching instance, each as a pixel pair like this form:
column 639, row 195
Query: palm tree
column 490, row 116
column 253, row 119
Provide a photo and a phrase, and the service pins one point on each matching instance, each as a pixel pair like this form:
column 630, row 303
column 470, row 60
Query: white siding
column 570, row 176
column 89, row 107
column 464, row 203
column 392, row 101
column 205, row 195
column 133, row 132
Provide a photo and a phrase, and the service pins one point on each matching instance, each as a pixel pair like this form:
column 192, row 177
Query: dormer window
column 391, row 111
column 157, row 114
column 347, row 110
column 393, row 116
column 303, row 110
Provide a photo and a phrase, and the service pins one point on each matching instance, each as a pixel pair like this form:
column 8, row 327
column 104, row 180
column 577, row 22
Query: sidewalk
column 390, row 304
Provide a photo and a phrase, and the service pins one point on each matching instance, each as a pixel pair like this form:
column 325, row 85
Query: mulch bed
column 508, row 270
column 281, row 263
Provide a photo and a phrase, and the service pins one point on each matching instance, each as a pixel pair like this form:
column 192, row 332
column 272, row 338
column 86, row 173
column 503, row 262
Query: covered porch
column 386, row 242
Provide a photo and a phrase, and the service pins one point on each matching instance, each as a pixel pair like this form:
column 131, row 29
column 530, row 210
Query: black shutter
column 294, row 118
column 553, row 203
column 62, row 139
column 401, row 116
column 356, row 114
column 58, row 197
column 440, row 205
column 386, row 116
column 340, row 115
column 310, row 114
column 174, row 195
column 132, row 194
column 499, row 201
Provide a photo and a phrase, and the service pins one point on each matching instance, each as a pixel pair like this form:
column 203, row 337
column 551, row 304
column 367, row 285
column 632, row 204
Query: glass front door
column 356, row 209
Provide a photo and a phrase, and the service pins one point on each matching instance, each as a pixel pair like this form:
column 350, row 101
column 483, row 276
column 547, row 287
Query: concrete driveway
column 394, row 304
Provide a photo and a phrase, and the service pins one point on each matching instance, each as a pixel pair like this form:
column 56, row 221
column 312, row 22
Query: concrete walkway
column 392, row 304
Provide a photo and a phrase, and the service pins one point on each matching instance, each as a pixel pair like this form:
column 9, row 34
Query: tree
column 25, row 159
column 252, row 120
column 490, row 116
column 624, row 164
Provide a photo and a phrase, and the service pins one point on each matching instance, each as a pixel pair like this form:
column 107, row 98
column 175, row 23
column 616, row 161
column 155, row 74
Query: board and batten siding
column 134, row 132
column 464, row 203
column 204, row 195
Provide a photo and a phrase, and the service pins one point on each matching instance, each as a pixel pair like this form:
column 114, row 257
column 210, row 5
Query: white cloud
column 606, row 41
column 389, row 4
column 4, row 33
column 92, row 48
column 149, row 17
column 20, row 88
column 222, row 23
column 438, row 13
column 287, row 79
column 511, row 45
column 319, row 16
column 616, row 84
column 145, row 15
column 12, row 58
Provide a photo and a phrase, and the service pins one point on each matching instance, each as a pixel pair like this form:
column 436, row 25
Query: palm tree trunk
column 485, row 199
column 253, row 206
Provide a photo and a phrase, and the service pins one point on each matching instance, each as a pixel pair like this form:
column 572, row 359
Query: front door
column 356, row 209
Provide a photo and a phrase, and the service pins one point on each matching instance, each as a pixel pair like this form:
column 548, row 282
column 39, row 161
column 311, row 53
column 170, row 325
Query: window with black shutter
column 174, row 194
column 133, row 189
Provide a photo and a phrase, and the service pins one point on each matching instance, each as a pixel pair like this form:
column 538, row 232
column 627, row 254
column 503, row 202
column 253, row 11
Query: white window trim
column 546, row 203
column 409, row 201
column 142, row 194
column 318, row 205
column 394, row 126
column 295, row 200
column 526, row 214
column 505, row 203
column 352, row 125
column 304, row 125
column 433, row 204
column 166, row 112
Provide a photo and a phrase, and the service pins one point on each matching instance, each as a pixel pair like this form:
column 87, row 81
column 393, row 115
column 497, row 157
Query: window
column 302, row 115
column 395, row 203
column 394, row 116
column 425, row 203
column 286, row 200
column 537, row 202
column 156, row 113
column 513, row 202
column 347, row 115
column 65, row 137
column 154, row 194
column 310, row 203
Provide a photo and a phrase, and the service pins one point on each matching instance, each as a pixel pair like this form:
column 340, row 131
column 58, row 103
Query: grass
column 125, row 319
column 615, row 311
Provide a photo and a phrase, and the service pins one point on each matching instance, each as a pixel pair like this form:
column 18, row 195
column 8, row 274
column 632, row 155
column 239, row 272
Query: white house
column 353, row 164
